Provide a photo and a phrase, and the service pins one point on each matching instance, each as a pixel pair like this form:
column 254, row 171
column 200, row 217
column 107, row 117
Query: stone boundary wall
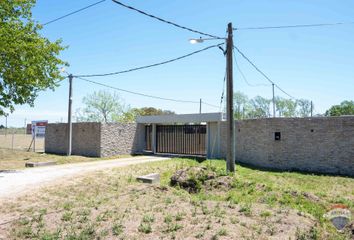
column 85, row 140
column 320, row 145
column 122, row 138
column 96, row 139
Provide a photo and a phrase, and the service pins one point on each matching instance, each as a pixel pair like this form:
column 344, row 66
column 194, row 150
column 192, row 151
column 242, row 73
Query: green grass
column 112, row 203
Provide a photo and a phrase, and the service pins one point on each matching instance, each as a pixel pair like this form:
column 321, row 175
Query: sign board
column 38, row 128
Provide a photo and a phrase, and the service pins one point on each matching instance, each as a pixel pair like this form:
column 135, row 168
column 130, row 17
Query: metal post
column 273, row 101
column 230, row 157
column 69, row 128
column 200, row 106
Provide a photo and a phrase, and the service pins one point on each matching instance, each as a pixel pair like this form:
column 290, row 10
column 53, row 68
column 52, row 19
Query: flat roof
column 181, row 118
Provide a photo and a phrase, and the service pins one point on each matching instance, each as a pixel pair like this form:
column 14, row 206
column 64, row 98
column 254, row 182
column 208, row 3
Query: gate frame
column 173, row 119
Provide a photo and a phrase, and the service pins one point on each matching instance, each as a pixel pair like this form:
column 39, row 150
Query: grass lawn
column 15, row 159
column 110, row 204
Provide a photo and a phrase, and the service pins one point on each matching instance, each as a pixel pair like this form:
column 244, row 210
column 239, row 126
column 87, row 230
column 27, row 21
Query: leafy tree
column 2, row 126
column 101, row 106
column 241, row 105
column 304, row 108
column 29, row 62
column 260, row 107
column 285, row 107
column 131, row 114
column 345, row 108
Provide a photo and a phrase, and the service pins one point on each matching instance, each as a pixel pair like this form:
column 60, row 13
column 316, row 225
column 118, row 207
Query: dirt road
column 14, row 183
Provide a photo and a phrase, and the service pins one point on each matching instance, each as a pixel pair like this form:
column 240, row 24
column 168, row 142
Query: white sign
column 38, row 128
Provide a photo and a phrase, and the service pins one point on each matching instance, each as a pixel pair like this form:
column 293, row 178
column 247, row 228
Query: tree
column 101, row 106
column 131, row 114
column 345, row 108
column 304, row 108
column 241, row 105
column 285, row 107
column 260, row 107
column 29, row 62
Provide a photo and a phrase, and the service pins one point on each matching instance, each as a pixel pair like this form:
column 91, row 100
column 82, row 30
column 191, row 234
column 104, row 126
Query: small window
column 277, row 136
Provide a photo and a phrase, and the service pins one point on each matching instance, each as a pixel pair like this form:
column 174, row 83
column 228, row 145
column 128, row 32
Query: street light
column 230, row 155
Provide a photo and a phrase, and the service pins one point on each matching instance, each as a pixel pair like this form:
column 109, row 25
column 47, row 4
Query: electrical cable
column 69, row 14
column 262, row 73
column 142, row 94
column 151, row 65
column 166, row 21
column 293, row 26
column 244, row 77
column 223, row 90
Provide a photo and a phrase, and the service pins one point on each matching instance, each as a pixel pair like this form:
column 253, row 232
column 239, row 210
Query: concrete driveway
column 14, row 183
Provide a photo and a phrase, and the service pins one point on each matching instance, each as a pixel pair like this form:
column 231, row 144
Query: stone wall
column 85, row 139
column 324, row 145
column 96, row 139
column 122, row 138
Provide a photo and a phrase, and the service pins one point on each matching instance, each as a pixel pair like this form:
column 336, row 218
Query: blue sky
column 310, row 63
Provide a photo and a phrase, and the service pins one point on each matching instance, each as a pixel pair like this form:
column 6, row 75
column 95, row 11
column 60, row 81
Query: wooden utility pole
column 230, row 156
column 69, row 128
column 273, row 101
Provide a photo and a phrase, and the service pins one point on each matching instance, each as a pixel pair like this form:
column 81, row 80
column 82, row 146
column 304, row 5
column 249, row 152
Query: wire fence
column 21, row 142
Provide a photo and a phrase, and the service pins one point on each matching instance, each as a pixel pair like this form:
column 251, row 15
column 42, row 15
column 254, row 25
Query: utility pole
column 273, row 101
column 311, row 108
column 230, row 156
column 69, row 126
column 200, row 106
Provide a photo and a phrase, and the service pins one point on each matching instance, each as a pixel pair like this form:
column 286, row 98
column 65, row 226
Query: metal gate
column 148, row 138
column 181, row 139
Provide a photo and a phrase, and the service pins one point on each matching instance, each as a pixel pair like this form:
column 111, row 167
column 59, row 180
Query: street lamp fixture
column 201, row 40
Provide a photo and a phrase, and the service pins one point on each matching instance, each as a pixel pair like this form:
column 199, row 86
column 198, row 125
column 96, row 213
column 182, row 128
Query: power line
column 223, row 90
column 165, row 21
column 294, row 26
column 151, row 65
column 244, row 77
column 210, row 105
column 143, row 94
column 262, row 73
column 69, row 14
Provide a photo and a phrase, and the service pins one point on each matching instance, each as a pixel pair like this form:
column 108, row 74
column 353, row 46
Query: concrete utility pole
column 230, row 156
column 311, row 108
column 273, row 101
column 69, row 128
column 200, row 106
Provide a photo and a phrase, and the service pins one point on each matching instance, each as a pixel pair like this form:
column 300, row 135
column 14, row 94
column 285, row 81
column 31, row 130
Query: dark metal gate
column 148, row 138
column 181, row 139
